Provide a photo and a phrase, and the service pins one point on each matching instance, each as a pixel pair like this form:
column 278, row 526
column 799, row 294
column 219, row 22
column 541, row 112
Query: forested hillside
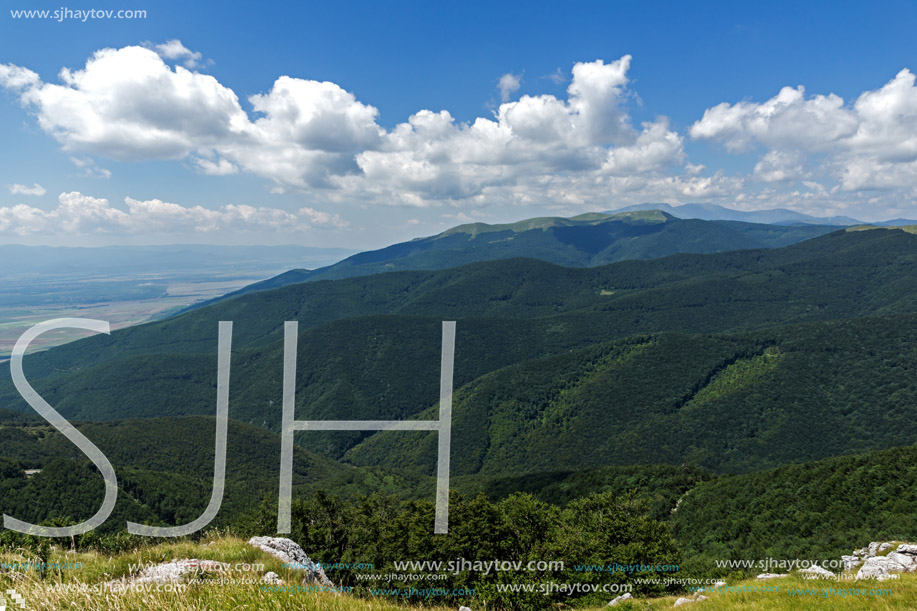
column 369, row 346
column 653, row 377
column 725, row 402
column 587, row 240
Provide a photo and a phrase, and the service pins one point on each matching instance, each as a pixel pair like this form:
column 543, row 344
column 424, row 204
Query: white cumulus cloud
column 578, row 148
column 78, row 214
column 174, row 49
column 314, row 136
column 17, row 78
column 508, row 85
column 780, row 166
column 128, row 104
column 869, row 144
column 36, row 189
column 787, row 119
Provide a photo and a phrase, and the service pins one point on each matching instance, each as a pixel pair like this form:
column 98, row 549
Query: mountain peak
column 547, row 222
column 715, row 212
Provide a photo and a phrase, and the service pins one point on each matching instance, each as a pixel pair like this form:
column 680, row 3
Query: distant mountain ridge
column 587, row 240
column 775, row 216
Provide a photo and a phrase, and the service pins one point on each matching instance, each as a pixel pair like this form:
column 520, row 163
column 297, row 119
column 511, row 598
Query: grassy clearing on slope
column 737, row 376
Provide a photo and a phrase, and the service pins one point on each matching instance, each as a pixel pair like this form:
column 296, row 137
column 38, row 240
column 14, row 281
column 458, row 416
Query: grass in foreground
column 240, row 588
column 795, row 593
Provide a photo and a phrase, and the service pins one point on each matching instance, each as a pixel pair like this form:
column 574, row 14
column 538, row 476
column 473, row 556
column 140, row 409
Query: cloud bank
column 869, row 145
column 79, row 214
column 813, row 152
column 131, row 104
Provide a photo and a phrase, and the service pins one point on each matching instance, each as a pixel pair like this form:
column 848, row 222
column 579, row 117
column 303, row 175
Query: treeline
column 598, row 529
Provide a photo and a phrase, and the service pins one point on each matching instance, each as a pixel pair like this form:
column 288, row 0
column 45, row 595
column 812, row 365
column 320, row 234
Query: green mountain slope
column 725, row 403
column 660, row 486
column 165, row 471
column 387, row 365
column 837, row 275
column 810, row 510
column 587, row 240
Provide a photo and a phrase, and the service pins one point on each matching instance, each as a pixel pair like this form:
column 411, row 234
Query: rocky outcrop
column 620, row 599
column 876, row 566
column 272, row 578
column 685, row 601
column 167, row 572
column 817, row 572
column 851, row 562
column 908, row 561
column 903, row 560
column 872, row 549
column 291, row 554
column 763, row 576
column 879, row 567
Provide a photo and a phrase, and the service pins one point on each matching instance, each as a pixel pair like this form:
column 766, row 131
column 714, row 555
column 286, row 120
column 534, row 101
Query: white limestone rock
column 878, row 567
column 685, row 601
column 290, row 553
column 619, row 599
column 906, row 560
column 763, row 576
column 817, row 572
column 869, row 551
column 169, row 572
column 850, row 562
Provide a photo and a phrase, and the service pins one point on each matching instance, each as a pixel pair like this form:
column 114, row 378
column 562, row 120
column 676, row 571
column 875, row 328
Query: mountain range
column 774, row 216
column 587, row 240
column 370, row 344
column 712, row 363
column 643, row 231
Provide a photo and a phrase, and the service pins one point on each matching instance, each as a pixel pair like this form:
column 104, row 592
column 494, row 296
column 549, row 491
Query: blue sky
column 603, row 105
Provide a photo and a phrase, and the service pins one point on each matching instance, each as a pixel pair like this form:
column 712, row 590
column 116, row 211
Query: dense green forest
column 165, row 471
column 681, row 515
column 809, row 510
column 724, row 402
column 369, row 346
